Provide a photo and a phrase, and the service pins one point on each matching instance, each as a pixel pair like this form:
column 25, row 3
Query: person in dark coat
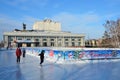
column 42, row 57
column 18, row 54
column 24, row 52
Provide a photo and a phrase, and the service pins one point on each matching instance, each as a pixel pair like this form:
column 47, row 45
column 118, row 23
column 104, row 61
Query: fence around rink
column 77, row 53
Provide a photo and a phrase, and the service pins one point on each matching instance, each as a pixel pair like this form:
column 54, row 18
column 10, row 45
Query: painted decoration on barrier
column 77, row 54
column 99, row 54
column 51, row 53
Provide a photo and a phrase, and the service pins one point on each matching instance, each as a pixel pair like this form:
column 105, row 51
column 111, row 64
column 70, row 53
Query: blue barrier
column 78, row 54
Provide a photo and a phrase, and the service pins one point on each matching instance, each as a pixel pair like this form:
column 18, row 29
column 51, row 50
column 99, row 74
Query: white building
column 43, row 36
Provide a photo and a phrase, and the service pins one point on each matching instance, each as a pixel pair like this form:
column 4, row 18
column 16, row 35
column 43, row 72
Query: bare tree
column 112, row 28
column 106, row 40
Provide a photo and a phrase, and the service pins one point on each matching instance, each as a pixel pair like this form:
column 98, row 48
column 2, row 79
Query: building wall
column 45, row 33
column 38, row 39
column 48, row 25
column 92, row 43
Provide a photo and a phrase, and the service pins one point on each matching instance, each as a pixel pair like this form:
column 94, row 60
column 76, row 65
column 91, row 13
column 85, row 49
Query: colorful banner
column 77, row 54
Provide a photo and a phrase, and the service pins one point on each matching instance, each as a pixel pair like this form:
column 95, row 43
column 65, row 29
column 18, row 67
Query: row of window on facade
column 44, row 44
column 43, row 39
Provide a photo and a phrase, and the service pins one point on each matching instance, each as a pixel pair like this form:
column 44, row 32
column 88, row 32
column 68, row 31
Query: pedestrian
column 42, row 57
column 18, row 54
column 24, row 52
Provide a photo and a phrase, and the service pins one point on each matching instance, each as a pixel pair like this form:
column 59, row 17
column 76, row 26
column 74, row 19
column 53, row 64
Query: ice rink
column 29, row 69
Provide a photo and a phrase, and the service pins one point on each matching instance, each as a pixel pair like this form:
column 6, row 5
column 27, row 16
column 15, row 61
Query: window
column 79, row 39
column 66, row 43
column 37, row 40
column 51, row 39
column 79, row 43
column 28, row 44
column 11, row 39
column 36, row 44
column 52, row 43
column 28, row 39
column 73, row 44
column 45, row 44
column 73, row 39
column 66, row 39
column 44, row 39
column 19, row 38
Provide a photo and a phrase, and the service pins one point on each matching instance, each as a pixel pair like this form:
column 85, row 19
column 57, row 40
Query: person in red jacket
column 18, row 54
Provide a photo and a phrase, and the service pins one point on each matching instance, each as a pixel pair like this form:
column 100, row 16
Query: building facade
column 93, row 43
column 47, row 25
column 43, row 38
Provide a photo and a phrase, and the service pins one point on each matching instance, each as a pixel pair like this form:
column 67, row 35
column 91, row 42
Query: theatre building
column 45, row 33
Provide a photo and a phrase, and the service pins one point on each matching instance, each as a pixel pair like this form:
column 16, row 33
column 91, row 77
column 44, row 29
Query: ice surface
column 29, row 68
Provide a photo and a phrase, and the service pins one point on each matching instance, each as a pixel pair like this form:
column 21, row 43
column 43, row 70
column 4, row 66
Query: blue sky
column 77, row 16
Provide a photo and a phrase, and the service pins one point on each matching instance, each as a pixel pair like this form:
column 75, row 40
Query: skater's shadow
column 42, row 74
column 19, row 75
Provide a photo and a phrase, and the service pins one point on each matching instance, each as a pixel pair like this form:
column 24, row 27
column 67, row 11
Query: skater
column 59, row 55
column 7, row 47
column 24, row 52
column 42, row 57
column 18, row 54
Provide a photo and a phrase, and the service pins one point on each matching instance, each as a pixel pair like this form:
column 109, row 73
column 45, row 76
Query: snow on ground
column 29, row 68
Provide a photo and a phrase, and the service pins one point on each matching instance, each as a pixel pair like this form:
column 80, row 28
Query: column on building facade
column 6, row 40
column 82, row 41
column 59, row 41
column 41, row 41
column 23, row 44
column 14, row 44
column 63, row 41
column 32, row 44
column 48, row 41
column 75, row 42
column 70, row 41
column 56, row 42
